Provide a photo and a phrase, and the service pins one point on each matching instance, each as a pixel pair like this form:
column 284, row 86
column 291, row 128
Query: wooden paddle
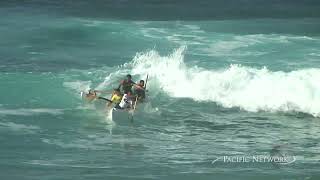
column 135, row 103
column 145, row 85
column 104, row 99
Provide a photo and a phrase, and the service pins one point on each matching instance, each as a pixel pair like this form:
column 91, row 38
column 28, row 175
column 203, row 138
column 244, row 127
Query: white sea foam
column 30, row 112
column 19, row 127
column 63, row 163
column 232, row 45
column 249, row 88
column 78, row 85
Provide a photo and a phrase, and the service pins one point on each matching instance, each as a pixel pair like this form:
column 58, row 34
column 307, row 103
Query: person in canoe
column 126, row 102
column 127, row 84
column 90, row 96
column 139, row 90
column 115, row 98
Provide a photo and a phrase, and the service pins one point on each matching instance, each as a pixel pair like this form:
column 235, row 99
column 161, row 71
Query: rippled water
column 218, row 90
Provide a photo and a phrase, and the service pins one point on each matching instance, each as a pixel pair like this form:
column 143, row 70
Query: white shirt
column 126, row 102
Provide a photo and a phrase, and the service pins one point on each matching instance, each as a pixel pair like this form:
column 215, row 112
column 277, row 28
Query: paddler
column 127, row 84
column 116, row 97
column 91, row 95
column 139, row 90
column 126, row 102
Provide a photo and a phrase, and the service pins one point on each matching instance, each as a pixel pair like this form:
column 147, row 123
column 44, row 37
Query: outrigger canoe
column 122, row 115
column 119, row 115
column 115, row 114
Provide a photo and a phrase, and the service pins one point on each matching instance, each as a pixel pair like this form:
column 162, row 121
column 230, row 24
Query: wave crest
column 249, row 88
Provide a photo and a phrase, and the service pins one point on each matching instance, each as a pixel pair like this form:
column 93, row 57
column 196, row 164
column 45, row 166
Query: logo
column 277, row 156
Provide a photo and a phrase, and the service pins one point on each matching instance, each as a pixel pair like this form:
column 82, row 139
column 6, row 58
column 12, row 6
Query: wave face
column 249, row 88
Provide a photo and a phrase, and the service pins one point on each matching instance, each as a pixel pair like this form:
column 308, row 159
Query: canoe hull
column 120, row 115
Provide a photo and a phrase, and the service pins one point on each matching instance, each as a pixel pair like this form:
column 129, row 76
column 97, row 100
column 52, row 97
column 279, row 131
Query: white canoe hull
column 120, row 115
column 116, row 115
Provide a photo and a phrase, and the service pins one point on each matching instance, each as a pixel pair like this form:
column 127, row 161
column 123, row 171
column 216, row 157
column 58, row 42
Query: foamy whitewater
column 229, row 82
column 250, row 89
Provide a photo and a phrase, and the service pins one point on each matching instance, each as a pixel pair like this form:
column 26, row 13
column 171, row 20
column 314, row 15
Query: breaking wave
column 248, row 88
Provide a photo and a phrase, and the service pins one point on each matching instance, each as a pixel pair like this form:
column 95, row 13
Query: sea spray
column 251, row 89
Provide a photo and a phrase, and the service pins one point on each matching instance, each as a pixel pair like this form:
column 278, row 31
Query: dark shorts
column 140, row 93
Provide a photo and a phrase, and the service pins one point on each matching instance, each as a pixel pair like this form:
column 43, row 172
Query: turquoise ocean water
column 241, row 86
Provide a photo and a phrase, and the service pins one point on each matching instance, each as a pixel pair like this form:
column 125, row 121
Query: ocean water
column 228, row 83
